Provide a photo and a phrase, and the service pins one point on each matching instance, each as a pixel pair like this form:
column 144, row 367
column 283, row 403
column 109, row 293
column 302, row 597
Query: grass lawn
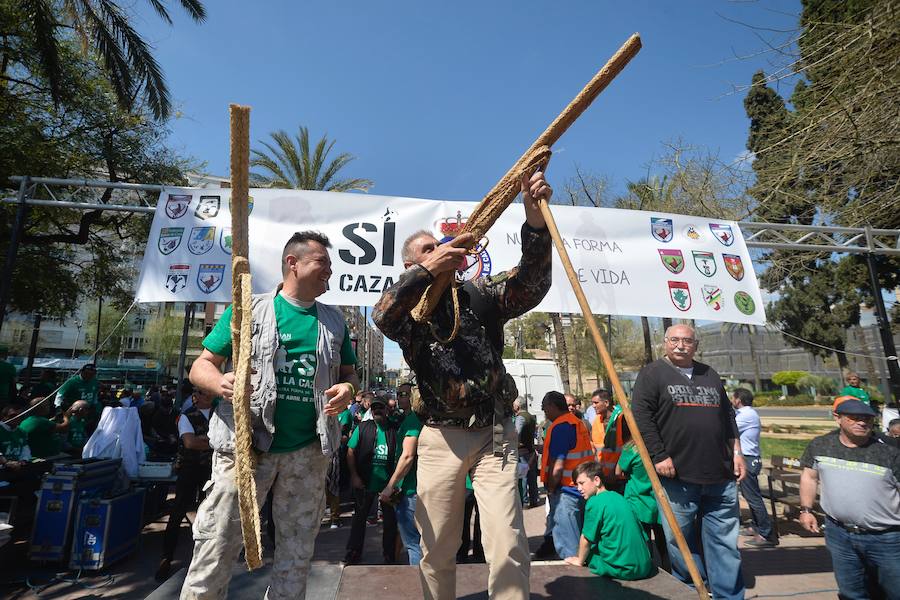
column 782, row 447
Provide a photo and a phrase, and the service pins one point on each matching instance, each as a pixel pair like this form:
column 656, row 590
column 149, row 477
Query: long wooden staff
column 661, row 497
column 241, row 319
column 506, row 190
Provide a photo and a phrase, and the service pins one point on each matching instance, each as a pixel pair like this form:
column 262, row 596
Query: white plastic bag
column 118, row 435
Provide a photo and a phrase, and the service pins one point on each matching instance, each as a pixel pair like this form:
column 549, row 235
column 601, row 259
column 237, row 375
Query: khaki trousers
column 298, row 502
column 446, row 455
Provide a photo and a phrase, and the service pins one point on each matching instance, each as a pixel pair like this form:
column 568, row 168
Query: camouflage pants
column 298, row 502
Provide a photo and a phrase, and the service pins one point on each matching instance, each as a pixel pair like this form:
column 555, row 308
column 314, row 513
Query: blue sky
column 437, row 100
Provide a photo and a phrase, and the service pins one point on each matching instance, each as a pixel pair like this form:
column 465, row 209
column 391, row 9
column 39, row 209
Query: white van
column 534, row 378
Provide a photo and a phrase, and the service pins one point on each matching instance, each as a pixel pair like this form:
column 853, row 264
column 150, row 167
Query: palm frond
column 349, row 185
column 289, row 158
column 43, row 25
column 161, row 10
column 114, row 61
column 195, row 8
column 318, row 160
column 260, row 159
column 334, row 166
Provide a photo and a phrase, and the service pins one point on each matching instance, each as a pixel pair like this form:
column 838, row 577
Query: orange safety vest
column 608, row 457
column 582, row 452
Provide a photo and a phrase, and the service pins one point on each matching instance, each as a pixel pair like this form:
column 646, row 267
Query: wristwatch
column 806, row 509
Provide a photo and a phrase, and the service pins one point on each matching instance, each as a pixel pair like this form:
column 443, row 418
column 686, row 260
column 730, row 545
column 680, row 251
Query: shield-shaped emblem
column 680, row 294
column 722, row 233
column 672, row 260
column 225, row 240
column 177, row 278
column 177, row 205
column 705, row 262
column 249, row 204
column 210, row 277
column 169, row 239
column 745, row 303
column 692, row 233
column 202, row 239
column 734, row 266
column 661, row 229
column 712, row 295
column 208, row 207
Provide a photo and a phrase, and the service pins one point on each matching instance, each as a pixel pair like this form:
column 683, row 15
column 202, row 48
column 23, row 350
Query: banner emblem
column 712, row 295
column 705, row 262
column 177, row 205
column 210, row 277
column 661, row 229
column 177, row 278
column 249, row 204
column 474, row 265
column 680, row 294
column 734, row 266
column 202, row 240
column 722, row 233
column 692, row 233
column 225, row 240
column 672, row 260
column 169, row 239
column 208, row 207
column 744, row 303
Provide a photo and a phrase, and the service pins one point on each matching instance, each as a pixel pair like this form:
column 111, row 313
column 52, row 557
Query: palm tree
column 750, row 331
column 102, row 26
column 291, row 164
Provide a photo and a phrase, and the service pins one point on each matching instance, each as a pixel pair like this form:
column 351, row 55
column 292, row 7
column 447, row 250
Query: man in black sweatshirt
column 688, row 425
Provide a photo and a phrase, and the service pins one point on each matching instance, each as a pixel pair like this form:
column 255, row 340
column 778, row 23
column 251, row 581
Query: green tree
column 291, row 163
column 102, row 28
column 111, row 337
column 162, row 339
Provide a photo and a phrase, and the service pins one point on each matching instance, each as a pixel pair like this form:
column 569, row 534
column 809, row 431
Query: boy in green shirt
column 612, row 541
column 640, row 497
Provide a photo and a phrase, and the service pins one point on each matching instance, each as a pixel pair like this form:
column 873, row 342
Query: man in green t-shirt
column 854, row 388
column 41, row 431
column 612, row 542
column 81, row 386
column 304, row 377
column 371, row 456
column 402, row 484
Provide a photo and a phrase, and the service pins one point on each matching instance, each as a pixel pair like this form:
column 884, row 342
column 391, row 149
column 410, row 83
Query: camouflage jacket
column 458, row 383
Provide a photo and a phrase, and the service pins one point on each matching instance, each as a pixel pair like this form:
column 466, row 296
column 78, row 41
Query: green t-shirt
column 7, row 381
column 77, row 432
column 76, row 388
column 13, row 443
column 618, row 546
column 295, row 368
column 638, row 489
column 411, row 426
column 381, row 470
column 42, row 438
column 856, row 392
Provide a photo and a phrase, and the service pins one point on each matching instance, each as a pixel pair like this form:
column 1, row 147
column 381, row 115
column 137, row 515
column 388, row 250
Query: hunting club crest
column 692, row 233
column 661, row 229
column 672, row 260
column 722, row 233
column 478, row 262
column 745, row 303
column 680, row 294
column 225, row 240
column 210, row 277
column 705, row 262
column 169, row 239
column 201, row 240
column 249, row 204
column 712, row 295
column 208, row 207
column 177, row 277
column 734, row 266
column 177, row 205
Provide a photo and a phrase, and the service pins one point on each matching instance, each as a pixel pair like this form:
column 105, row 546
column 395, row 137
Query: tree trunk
column 863, row 342
column 648, row 342
column 579, row 388
column 562, row 355
column 757, row 380
column 667, row 322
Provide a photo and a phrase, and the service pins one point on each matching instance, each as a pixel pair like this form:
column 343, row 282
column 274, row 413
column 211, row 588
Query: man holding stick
column 303, row 376
column 466, row 397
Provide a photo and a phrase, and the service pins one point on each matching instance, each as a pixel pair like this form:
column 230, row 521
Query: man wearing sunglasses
column 688, row 425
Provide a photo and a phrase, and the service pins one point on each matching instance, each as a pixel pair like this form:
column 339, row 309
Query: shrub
column 788, row 377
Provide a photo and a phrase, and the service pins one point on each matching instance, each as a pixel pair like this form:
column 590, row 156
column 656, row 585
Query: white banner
column 629, row 262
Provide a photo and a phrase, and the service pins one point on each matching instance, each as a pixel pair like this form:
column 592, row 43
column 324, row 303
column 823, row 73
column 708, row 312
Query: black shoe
column 352, row 557
column 164, row 570
column 546, row 551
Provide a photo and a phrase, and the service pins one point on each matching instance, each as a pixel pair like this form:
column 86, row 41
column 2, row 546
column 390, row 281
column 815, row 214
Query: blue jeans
column 406, row 524
column 750, row 490
column 567, row 516
column 707, row 512
column 864, row 562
